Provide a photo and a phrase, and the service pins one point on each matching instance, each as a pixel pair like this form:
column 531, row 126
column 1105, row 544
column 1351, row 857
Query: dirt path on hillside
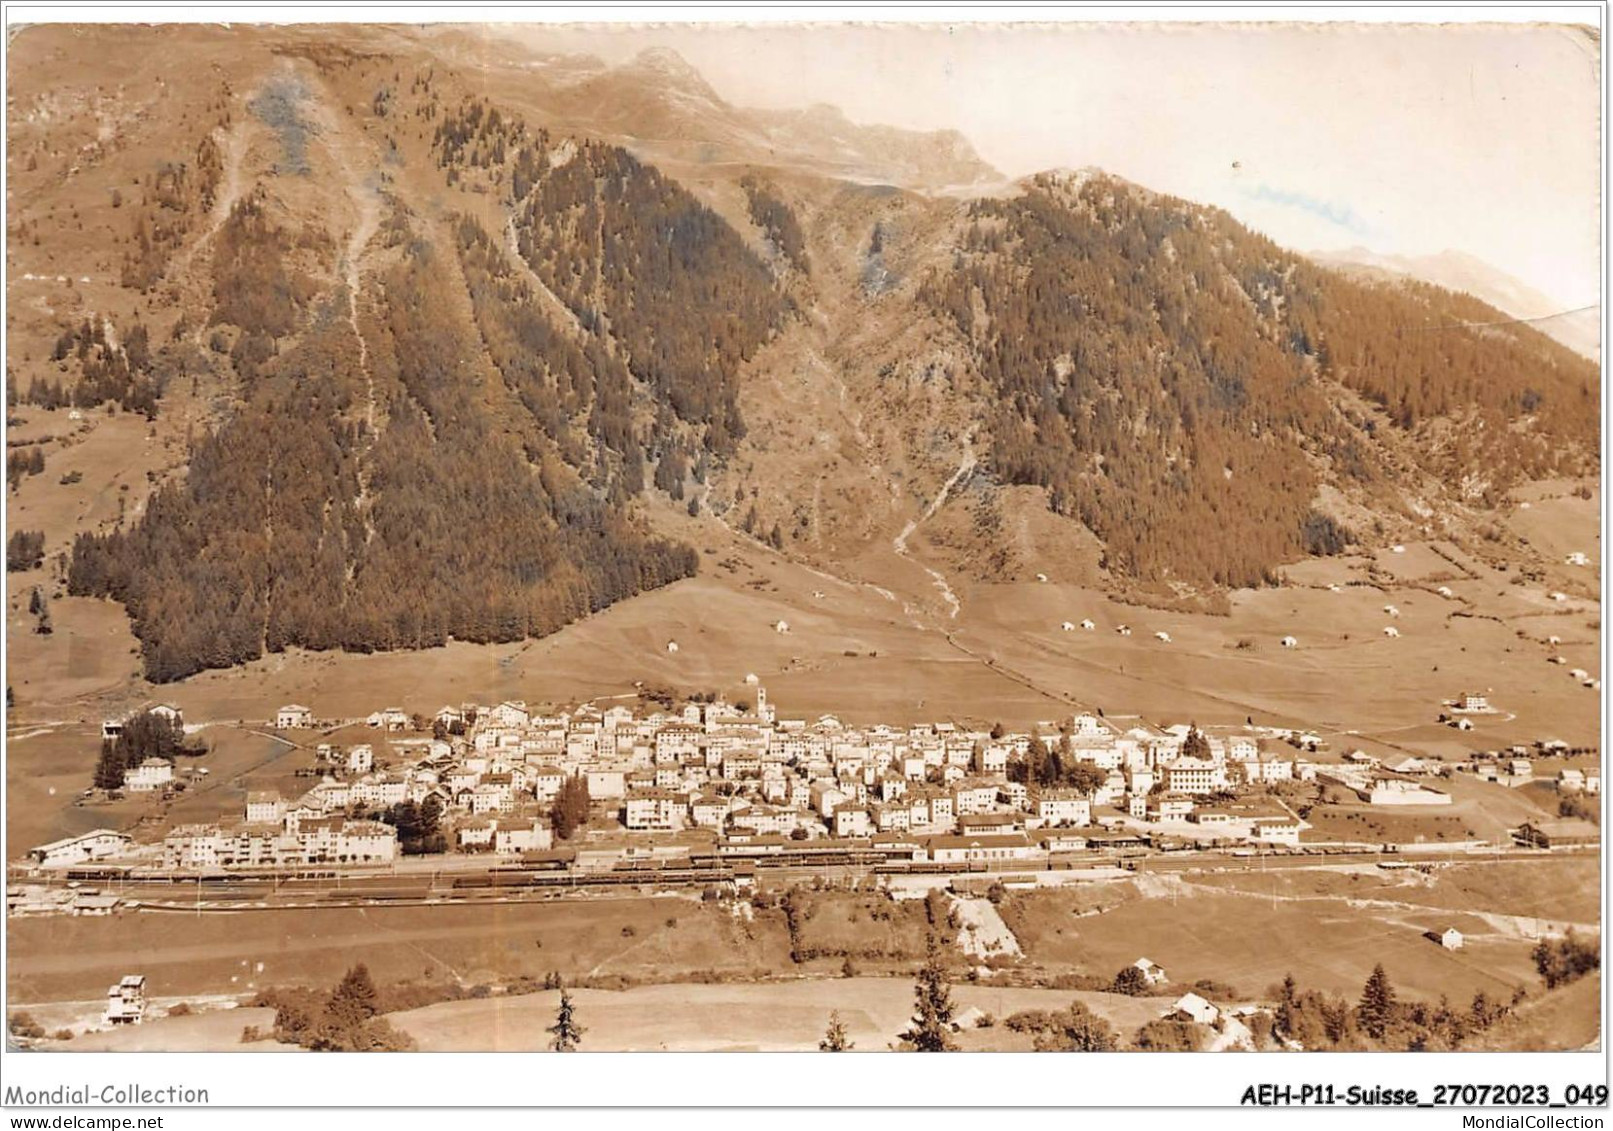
column 965, row 467
column 815, row 571
column 232, row 145
column 551, row 301
column 853, row 415
column 356, row 164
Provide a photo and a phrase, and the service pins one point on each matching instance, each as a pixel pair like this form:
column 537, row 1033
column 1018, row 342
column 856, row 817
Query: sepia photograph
column 793, row 535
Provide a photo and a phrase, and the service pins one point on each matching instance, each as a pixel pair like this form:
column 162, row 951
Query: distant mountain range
column 658, row 103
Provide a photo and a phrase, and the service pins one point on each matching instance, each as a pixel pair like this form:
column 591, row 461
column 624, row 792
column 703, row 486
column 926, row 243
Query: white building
column 320, row 840
column 1192, row 1007
column 978, row 849
column 389, row 718
column 126, row 1001
column 1064, row 807
column 1276, row 830
column 1397, row 791
column 605, row 782
column 1154, row 972
column 653, row 810
column 153, row 773
column 294, row 717
column 95, row 845
column 517, row 838
column 1190, row 775
column 264, row 807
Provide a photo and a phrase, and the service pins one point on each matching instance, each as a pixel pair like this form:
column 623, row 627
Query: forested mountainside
column 368, row 494
column 1173, row 379
column 303, row 523
column 635, row 256
column 455, row 352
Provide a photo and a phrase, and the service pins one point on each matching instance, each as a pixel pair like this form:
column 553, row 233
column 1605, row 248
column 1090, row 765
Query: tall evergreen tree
column 932, row 998
column 1377, row 1004
column 1285, row 1005
column 567, row 1033
column 109, row 769
column 353, row 1001
column 1036, row 761
column 834, row 1038
column 1195, row 745
column 569, row 812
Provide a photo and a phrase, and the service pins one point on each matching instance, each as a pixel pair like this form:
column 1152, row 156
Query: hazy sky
column 1411, row 140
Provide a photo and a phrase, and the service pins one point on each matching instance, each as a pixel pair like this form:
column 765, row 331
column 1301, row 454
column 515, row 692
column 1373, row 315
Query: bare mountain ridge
column 524, row 352
column 657, row 100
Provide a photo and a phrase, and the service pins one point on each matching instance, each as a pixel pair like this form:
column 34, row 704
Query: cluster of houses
column 750, row 780
column 1399, row 781
column 754, row 784
column 27, row 900
column 746, row 776
column 1514, row 767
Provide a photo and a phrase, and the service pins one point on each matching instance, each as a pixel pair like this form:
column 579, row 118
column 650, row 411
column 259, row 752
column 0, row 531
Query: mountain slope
column 1183, row 386
column 453, row 355
column 1579, row 330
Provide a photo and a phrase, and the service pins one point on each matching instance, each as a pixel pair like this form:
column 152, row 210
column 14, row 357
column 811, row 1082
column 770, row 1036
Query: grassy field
column 777, row 1016
column 1039, row 919
column 1563, row 889
column 1251, row 942
column 1569, row 1017
column 45, row 774
column 88, row 667
column 850, row 651
column 211, row 1031
column 180, row 953
column 1344, row 679
column 1372, row 824
column 867, row 657
column 863, row 926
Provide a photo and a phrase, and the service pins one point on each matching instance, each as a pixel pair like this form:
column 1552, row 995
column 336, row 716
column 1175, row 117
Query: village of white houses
column 530, row 538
